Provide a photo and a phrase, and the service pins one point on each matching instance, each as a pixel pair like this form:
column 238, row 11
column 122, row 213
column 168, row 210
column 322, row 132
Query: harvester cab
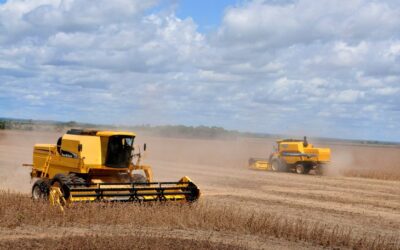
column 292, row 155
column 91, row 165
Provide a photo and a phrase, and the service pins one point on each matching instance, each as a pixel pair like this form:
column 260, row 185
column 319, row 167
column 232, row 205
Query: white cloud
column 268, row 64
column 212, row 76
column 347, row 96
column 387, row 91
column 265, row 24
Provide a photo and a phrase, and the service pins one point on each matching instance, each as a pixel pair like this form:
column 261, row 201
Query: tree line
column 204, row 132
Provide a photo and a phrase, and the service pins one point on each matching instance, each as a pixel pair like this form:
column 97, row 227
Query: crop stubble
column 240, row 208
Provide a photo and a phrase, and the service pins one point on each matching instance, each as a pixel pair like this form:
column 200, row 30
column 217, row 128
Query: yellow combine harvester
column 90, row 165
column 294, row 155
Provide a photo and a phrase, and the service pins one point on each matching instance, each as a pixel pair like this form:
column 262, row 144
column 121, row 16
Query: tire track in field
column 235, row 240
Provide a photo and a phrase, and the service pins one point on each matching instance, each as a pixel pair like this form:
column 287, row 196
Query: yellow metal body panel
column 63, row 165
column 91, row 148
column 322, row 154
column 70, row 145
column 79, row 154
column 111, row 133
column 311, row 154
column 290, row 146
column 41, row 154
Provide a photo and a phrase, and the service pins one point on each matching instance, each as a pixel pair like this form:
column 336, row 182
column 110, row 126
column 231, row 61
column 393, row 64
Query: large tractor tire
column 278, row 165
column 275, row 166
column 40, row 190
column 302, row 169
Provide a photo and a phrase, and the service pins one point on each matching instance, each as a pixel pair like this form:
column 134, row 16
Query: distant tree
column 71, row 124
column 2, row 125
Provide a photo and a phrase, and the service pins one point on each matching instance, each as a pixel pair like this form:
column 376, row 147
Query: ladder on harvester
column 46, row 165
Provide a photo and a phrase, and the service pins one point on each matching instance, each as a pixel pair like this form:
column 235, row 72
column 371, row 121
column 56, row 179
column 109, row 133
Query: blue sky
column 207, row 14
column 297, row 67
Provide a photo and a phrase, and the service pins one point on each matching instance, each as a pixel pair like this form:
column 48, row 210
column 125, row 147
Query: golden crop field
column 356, row 205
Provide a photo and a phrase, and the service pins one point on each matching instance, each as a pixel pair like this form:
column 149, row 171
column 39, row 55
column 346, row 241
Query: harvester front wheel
column 301, row 169
column 40, row 190
column 279, row 165
column 275, row 166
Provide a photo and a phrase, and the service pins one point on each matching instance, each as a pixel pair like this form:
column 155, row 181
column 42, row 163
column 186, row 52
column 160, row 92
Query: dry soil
column 368, row 207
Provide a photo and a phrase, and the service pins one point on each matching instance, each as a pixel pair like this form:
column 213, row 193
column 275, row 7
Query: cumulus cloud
column 328, row 68
column 335, row 59
column 267, row 24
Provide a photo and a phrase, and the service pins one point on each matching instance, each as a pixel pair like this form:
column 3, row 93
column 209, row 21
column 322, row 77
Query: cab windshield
column 119, row 151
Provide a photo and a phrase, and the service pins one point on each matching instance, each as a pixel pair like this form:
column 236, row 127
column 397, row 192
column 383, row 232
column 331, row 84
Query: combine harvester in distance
column 292, row 155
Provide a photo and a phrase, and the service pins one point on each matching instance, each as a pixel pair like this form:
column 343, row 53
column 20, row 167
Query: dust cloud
column 205, row 159
column 15, row 149
column 341, row 160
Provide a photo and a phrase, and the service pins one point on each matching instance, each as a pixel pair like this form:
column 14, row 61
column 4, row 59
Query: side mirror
column 144, row 147
column 80, row 148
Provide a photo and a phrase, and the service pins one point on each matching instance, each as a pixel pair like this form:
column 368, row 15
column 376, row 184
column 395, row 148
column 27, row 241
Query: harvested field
column 239, row 209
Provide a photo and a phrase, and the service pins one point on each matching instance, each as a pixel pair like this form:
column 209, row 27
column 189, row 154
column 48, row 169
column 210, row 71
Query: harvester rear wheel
column 40, row 190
